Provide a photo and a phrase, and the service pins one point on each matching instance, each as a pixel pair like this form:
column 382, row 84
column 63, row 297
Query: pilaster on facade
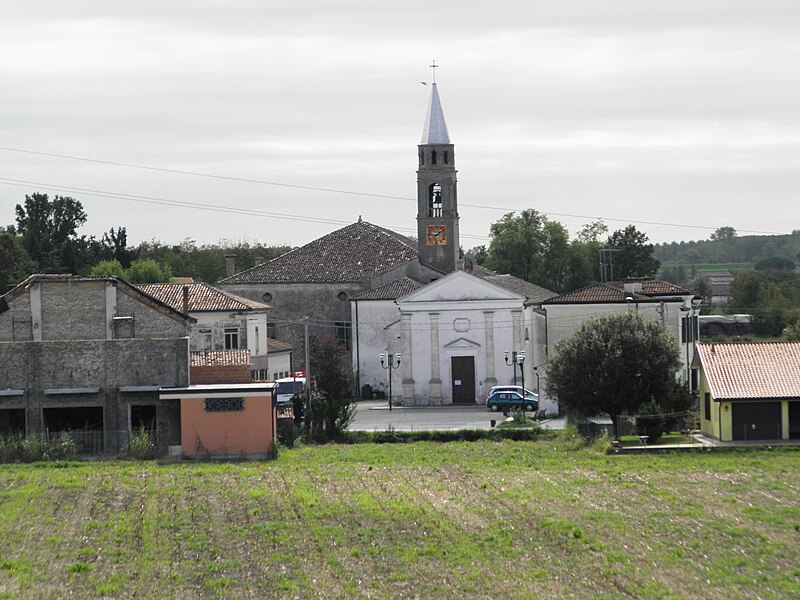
column 435, row 393
column 408, row 380
column 36, row 311
column 516, row 323
column 488, row 320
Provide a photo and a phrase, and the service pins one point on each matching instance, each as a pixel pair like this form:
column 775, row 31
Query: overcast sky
column 679, row 112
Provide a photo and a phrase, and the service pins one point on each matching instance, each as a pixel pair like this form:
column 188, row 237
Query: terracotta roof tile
column 202, row 297
column 758, row 370
column 343, row 256
column 224, row 358
column 274, row 345
column 390, row 291
column 614, row 291
column 534, row 293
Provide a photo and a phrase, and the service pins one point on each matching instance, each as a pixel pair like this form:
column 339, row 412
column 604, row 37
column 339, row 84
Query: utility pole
column 308, row 384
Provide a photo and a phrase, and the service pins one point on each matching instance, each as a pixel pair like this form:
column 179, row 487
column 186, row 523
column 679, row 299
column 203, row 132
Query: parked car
column 525, row 392
column 510, row 399
column 288, row 387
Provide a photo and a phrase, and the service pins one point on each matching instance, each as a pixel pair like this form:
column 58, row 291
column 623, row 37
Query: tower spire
column 437, row 205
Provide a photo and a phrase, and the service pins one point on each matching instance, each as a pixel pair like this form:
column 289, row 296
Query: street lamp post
column 688, row 337
column 517, row 358
column 391, row 363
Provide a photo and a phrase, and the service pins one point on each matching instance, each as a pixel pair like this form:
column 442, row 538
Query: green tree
column 585, row 255
column 332, row 408
column 108, row 268
column 634, row 256
column 774, row 263
column 702, row 288
column 531, row 247
column 49, row 228
column 115, row 246
column 15, row 264
column 148, row 271
column 792, row 332
column 612, row 365
column 723, row 233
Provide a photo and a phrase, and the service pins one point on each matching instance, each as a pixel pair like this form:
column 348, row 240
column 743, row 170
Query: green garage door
column 756, row 420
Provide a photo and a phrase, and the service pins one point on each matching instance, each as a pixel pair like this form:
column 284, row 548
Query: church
column 456, row 327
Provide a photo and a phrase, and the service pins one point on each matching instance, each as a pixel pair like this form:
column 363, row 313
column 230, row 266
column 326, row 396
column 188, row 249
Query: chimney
column 186, row 299
column 633, row 287
column 230, row 265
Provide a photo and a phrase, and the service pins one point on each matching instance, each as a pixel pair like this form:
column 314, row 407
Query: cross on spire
column 434, row 66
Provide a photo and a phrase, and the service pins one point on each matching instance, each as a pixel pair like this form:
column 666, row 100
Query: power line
column 199, row 205
column 367, row 194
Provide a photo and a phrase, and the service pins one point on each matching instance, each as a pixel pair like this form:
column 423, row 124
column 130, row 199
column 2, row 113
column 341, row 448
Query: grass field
column 484, row 519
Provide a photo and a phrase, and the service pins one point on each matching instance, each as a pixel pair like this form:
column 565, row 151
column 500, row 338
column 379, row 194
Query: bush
column 140, row 446
column 18, row 448
column 462, row 435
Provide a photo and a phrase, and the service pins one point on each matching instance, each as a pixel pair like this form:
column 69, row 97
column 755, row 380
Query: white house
column 675, row 307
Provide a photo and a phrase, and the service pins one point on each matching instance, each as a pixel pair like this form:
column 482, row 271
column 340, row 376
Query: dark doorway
column 463, row 371
column 84, row 424
column 143, row 415
column 12, row 421
column 756, row 420
column 794, row 420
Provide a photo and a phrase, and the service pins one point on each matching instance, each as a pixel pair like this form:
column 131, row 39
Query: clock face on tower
column 436, row 235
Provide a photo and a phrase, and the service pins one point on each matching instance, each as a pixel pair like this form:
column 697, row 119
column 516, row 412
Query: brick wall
column 220, row 374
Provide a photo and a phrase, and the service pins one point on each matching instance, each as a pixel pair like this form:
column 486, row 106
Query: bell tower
column 437, row 207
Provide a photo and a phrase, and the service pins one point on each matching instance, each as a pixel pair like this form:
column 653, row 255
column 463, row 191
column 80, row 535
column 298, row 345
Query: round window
column 342, row 296
column 267, row 297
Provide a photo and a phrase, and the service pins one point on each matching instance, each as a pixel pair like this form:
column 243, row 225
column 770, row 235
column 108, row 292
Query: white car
column 288, row 387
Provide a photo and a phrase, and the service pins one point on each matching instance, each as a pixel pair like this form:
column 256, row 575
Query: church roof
column 346, row 255
column 534, row 293
column 435, row 129
column 390, row 291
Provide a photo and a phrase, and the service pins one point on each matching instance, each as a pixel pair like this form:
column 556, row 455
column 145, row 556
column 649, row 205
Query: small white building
column 225, row 321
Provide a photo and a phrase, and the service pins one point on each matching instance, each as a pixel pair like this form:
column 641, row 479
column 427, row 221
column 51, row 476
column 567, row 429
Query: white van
column 288, row 387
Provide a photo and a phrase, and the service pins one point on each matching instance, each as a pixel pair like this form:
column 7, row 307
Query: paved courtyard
column 374, row 415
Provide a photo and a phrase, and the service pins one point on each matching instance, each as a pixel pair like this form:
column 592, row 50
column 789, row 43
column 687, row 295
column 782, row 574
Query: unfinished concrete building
column 87, row 356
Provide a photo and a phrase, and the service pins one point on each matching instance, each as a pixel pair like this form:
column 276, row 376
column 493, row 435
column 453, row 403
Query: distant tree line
column 44, row 239
column 726, row 246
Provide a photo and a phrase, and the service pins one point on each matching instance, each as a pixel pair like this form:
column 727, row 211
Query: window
column 267, row 297
column 342, row 296
column 231, row 338
column 435, row 200
column 271, row 330
column 343, row 332
column 707, row 406
column 224, row 404
column 433, row 157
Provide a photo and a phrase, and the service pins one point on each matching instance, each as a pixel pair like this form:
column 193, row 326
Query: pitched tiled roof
column 751, row 371
column 614, row 291
column 202, row 297
column 225, row 358
column 534, row 293
column 274, row 345
column 390, row 291
column 655, row 287
column 343, row 256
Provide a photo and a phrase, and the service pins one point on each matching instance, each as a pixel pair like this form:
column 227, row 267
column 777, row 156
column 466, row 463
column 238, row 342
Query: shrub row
column 460, row 435
column 23, row 449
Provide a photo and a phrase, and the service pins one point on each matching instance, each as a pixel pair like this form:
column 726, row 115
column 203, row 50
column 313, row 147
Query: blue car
column 504, row 400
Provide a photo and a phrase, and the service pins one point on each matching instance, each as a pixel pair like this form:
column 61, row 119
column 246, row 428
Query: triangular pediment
column 462, row 344
column 460, row 286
